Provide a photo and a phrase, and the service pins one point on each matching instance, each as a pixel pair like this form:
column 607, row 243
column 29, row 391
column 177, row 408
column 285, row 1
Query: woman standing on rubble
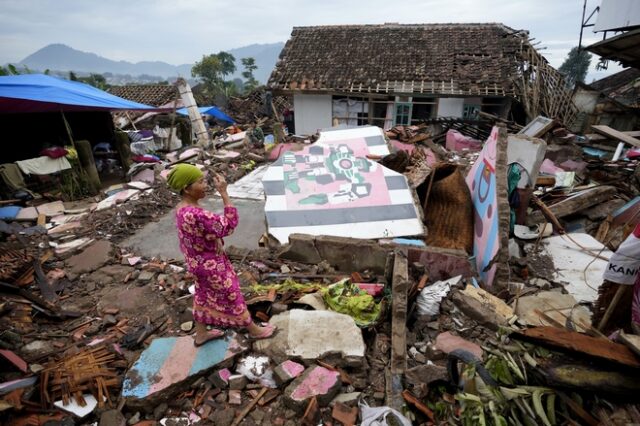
column 218, row 301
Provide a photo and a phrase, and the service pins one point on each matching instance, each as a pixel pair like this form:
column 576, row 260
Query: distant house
column 158, row 95
column 613, row 101
column 403, row 74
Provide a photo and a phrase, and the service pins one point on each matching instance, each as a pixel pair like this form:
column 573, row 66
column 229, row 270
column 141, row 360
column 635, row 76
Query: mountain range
column 60, row 57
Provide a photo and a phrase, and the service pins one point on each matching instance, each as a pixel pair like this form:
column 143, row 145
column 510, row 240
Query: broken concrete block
column 344, row 414
column 301, row 248
column 287, row 371
column 112, row 418
column 483, row 307
column 28, row 213
column 556, row 305
column 169, row 365
column 344, row 254
column 312, row 335
column 60, row 229
column 426, row 374
column 146, row 276
column 146, row 175
column 119, row 197
column 51, row 209
column 72, row 246
column 235, row 397
column 441, row 263
column 447, row 342
column 220, row 378
column 317, row 381
column 237, row 382
column 92, row 258
column 529, row 153
column 350, row 398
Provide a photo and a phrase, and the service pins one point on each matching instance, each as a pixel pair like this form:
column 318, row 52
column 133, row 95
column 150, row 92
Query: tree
column 250, row 66
column 212, row 70
column 575, row 67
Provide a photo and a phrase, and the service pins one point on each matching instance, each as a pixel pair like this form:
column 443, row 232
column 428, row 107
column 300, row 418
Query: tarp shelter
column 210, row 110
column 42, row 93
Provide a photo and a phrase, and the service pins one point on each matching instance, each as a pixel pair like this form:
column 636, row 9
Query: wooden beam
column 617, row 135
column 575, row 203
column 400, row 287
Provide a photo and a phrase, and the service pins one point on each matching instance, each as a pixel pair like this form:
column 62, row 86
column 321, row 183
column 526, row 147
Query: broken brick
column 345, row 414
column 287, row 371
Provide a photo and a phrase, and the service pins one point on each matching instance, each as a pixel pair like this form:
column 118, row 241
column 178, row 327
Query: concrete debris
column 318, row 382
column 98, row 287
column 333, row 334
column 483, row 307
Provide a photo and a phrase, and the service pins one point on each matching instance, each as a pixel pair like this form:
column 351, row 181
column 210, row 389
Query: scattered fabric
column 347, row 298
column 43, row 165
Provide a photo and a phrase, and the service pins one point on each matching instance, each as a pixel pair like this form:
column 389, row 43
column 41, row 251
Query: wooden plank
column 594, row 137
column 575, row 203
column 615, row 134
column 400, row 287
column 578, row 343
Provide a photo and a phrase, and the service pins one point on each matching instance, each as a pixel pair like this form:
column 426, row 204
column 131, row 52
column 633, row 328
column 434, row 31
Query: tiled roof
column 623, row 86
column 149, row 94
column 429, row 58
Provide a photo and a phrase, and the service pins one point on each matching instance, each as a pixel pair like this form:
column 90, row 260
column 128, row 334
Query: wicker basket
column 448, row 210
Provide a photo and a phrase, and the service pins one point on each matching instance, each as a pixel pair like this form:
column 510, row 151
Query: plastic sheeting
column 43, row 93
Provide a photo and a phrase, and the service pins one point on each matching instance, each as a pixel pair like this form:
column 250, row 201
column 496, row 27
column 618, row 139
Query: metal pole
column 584, row 11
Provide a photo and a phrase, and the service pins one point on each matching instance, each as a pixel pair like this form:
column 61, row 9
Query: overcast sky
column 181, row 31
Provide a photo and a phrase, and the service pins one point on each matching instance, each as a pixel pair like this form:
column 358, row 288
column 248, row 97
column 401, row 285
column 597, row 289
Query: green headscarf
column 182, row 176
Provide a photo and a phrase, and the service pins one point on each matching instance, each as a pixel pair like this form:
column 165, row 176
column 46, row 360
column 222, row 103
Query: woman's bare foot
column 202, row 338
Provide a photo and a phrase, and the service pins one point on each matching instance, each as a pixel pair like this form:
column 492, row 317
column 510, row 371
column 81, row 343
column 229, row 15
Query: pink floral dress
column 218, row 300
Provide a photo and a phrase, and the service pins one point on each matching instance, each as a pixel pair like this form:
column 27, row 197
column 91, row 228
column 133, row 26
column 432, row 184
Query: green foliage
column 13, row 70
column 575, row 67
column 95, row 80
column 212, row 70
column 250, row 66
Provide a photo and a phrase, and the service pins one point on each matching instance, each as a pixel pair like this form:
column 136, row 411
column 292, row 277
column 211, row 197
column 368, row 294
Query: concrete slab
column 29, row 213
column 51, row 209
column 160, row 239
column 171, row 364
column 571, row 261
column 119, row 197
column 556, row 305
column 92, row 258
column 319, row 382
column 529, row 153
column 250, row 186
column 312, row 335
column 72, row 246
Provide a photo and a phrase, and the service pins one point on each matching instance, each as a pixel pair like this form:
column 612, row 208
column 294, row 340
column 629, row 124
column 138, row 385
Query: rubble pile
column 487, row 318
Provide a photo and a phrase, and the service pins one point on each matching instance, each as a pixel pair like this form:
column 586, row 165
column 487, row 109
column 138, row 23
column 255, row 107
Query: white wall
column 450, row 107
column 312, row 112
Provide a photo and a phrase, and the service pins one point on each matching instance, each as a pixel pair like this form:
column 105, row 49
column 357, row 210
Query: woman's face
column 197, row 189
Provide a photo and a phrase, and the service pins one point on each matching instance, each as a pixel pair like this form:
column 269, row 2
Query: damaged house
column 612, row 101
column 392, row 74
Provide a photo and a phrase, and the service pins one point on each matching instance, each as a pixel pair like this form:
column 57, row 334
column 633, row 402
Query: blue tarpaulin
column 210, row 110
column 43, row 93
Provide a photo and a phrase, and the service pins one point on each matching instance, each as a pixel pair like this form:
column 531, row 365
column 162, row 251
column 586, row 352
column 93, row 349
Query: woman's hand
column 220, row 183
